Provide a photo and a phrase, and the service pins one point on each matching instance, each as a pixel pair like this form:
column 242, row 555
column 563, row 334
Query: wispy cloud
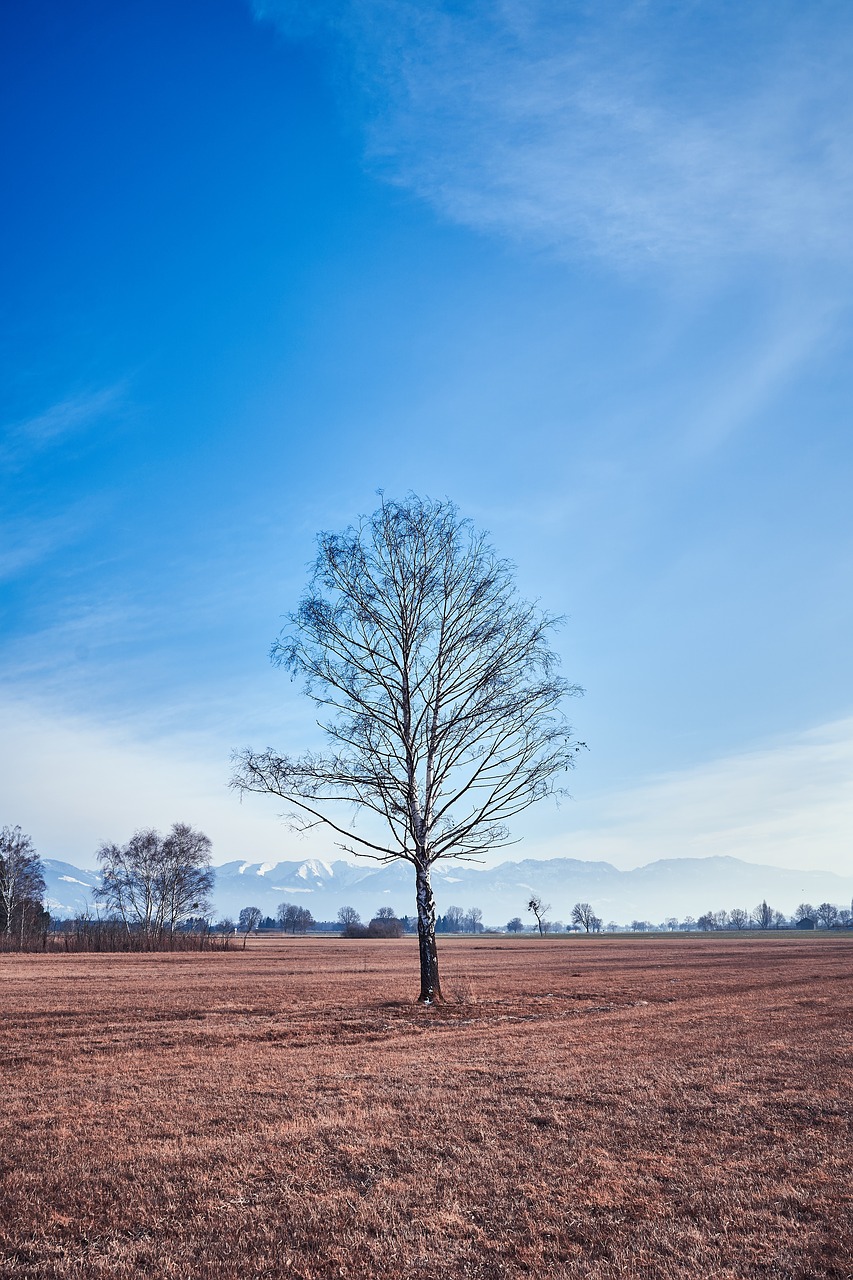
column 786, row 804
column 640, row 133
column 26, row 542
column 104, row 781
column 76, row 413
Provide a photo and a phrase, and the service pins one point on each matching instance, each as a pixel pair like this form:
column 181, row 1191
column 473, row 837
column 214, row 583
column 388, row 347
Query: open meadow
column 599, row 1107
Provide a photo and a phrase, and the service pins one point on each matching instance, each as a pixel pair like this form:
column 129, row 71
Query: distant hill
column 670, row 887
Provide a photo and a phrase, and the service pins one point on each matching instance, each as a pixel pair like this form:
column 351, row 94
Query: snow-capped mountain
column 676, row 886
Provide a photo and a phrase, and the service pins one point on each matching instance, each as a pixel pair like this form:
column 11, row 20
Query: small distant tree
column 845, row 915
column 805, row 911
column 583, row 914
column 612, row 926
column 348, row 917
column 21, row 884
column 454, row 920
column 688, row 924
column 515, row 925
column 473, row 920
column 827, row 915
column 225, row 927
column 738, row 918
column 386, row 913
column 671, row 923
column 287, row 915
column 763, row 915
column 248, row 921
column 539, row 909
column 639, row 926
column 296, row 919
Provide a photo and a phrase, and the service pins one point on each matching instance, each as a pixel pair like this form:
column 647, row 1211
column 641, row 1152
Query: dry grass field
column 597, row 1107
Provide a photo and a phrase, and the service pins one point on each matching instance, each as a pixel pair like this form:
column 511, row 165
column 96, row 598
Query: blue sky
column 583, row 268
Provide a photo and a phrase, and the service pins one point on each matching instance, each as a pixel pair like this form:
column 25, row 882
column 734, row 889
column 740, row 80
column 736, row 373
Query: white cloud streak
column 786, row 804
column 637, row 132
column 72, row 782
column 62, row 420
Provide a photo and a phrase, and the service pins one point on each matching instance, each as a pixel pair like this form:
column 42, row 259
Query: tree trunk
column 430, row 985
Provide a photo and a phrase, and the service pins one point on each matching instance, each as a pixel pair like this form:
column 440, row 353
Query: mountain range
column 670, row 887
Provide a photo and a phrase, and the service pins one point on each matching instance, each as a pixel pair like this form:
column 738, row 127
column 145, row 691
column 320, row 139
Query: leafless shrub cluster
column 90, row 934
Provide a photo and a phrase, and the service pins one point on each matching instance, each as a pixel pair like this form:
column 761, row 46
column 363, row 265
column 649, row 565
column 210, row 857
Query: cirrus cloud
column 636, row 132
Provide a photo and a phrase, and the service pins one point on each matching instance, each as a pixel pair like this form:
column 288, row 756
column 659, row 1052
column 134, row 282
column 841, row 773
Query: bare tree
column 738, row 918
column 515, row 925
column 21, row 882
column 186, row 877
column 153, row 884
column 473, row 920
column 348, row 917
column 248, row 921
column 583, row 914
column 304, row 920
column 539, row 909
column 287, row 916
column 827, row 914
column 763, row 915
column 805, row 911
column 440, row 692
column 454, row 920
column 291, row 917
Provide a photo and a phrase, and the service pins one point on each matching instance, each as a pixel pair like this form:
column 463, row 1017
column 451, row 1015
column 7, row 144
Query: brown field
column 597, row 1107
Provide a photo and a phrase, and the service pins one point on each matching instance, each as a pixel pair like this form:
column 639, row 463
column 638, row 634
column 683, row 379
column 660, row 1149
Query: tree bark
column 430, row 984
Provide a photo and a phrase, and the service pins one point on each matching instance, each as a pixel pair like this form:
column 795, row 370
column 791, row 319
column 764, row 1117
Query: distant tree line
column 457, row 920
column 763, row 916
column 155, row 894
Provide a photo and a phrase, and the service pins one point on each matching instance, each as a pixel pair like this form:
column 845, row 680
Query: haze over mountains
column 670, row 887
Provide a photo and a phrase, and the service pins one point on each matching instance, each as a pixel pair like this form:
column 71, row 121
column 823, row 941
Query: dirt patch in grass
column 596, row 1107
